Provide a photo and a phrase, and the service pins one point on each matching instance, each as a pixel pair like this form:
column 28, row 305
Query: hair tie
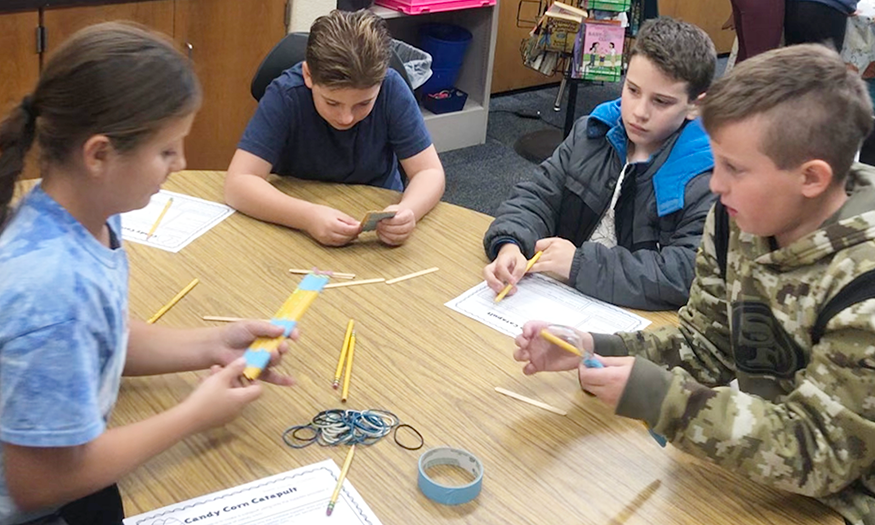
column 28, row 107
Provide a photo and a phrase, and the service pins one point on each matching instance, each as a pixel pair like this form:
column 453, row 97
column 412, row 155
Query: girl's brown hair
column 348, row 50
column 113, row 79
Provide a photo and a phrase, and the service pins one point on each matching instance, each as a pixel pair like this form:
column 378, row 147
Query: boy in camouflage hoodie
column 783, row 299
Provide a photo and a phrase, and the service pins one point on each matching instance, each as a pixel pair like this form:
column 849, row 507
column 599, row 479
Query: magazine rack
column 539, row 145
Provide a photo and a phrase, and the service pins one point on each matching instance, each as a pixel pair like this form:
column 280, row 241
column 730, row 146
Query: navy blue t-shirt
column 288, row 132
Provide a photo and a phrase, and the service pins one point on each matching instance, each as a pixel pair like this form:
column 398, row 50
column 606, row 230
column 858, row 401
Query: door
column 227, row 40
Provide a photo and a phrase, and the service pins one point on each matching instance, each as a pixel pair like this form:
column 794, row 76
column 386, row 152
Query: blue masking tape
column 444, row 494
column 313, row 283
column 287, row 324
column 257, row 358
column 591, row 362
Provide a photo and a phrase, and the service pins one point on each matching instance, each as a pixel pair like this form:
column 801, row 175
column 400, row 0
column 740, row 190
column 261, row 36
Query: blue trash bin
column 446, row 43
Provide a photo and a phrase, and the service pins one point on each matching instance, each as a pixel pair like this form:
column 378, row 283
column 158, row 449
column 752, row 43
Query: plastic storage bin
column 445, row 101
column 446, row 43
column 418, row 7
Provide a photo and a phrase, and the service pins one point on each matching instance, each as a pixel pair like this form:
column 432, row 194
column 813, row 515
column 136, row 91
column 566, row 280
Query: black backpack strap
column 721, row 236
column 857, row 291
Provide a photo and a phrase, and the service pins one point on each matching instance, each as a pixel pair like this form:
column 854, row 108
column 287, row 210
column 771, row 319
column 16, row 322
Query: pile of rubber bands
column 348, row 427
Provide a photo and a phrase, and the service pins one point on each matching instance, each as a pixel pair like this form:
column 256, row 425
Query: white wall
column 304, row 12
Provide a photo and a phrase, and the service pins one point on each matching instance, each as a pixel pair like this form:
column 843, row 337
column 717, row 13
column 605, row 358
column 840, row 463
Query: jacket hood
column 852, row 224
column 689, row 157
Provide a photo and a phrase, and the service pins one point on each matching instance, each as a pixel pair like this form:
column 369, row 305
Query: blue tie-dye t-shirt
column 63, row 331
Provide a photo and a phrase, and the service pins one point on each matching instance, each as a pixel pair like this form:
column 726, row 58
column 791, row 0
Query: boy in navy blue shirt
column 340, row 116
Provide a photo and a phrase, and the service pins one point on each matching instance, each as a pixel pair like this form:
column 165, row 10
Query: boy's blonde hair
column 348, row 50
column 814, row 108
column 680, row 50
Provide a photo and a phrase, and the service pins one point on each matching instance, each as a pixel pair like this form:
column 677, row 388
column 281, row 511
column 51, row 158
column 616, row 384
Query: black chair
column 288, row 52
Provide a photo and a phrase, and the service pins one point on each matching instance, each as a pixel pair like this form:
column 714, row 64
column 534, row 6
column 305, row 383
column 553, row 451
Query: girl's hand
column 396, row 230
column 235, row 338
column 542, row 356
column 332, row 227
column 508, row 267
column 221, row 397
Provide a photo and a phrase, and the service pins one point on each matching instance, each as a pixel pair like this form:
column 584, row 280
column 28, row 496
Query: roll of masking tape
column 444, row 494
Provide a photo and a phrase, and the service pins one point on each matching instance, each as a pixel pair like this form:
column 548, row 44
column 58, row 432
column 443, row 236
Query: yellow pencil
column 561, row 343
column 173, row 301
column 340, row 479
column 343, row 351
column 160, row 216
column 348, row 375
column 507, row 288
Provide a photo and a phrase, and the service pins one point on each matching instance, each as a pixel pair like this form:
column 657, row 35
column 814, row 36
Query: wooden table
column 433, row 367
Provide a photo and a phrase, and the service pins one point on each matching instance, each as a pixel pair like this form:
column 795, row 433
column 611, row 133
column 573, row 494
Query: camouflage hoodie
column 804, row 418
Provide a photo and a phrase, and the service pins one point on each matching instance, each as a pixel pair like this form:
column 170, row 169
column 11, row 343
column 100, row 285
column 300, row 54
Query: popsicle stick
column 530, row 401
column 355, row 283
column 339, row 275
column 412, row 275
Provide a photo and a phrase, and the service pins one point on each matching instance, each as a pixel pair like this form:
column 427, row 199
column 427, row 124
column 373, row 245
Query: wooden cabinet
column 227, row 40
column 61, row 23
column 19, row 61
column 19, row 66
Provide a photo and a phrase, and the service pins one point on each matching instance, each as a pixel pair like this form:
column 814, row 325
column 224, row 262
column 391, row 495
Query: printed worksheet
column 184, row 220
column 296, row 497
column 540, row 297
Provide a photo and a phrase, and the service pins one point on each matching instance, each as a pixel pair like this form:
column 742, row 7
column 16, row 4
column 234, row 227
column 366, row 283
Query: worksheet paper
column 187, row 219
column 296, row 497
column 539, row 297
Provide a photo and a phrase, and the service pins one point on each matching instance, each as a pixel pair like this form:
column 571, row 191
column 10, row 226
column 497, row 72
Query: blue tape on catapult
column 313, row 283
column 444, row 494
column 257, row 358
column 591, row 362
column 287, row 324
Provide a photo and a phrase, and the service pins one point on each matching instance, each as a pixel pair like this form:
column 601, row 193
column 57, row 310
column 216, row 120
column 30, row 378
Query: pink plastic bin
column 418, row 7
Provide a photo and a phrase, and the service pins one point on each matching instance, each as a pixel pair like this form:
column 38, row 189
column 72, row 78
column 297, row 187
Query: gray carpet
column 481, row 177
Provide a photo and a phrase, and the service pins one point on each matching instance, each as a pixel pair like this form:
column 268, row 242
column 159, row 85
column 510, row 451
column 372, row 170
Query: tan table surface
column 433, row 367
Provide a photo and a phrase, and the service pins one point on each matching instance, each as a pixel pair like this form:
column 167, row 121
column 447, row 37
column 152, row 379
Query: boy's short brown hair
column 680, row 50
column 814, row 108
column 348, row 50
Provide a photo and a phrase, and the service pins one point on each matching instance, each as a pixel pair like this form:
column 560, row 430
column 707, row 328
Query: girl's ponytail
column 16, row 138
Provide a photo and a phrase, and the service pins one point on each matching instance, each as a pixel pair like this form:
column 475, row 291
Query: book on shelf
column 599, row 55
column 560, row 30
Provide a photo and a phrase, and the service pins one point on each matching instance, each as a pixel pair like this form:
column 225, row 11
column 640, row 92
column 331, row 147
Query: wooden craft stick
column 354, row 283
column 173, row 301
column 412, row 275
column 160, row 216
column 507, row 288
column 221, row 319
column 339, row 275
column 530, row 401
